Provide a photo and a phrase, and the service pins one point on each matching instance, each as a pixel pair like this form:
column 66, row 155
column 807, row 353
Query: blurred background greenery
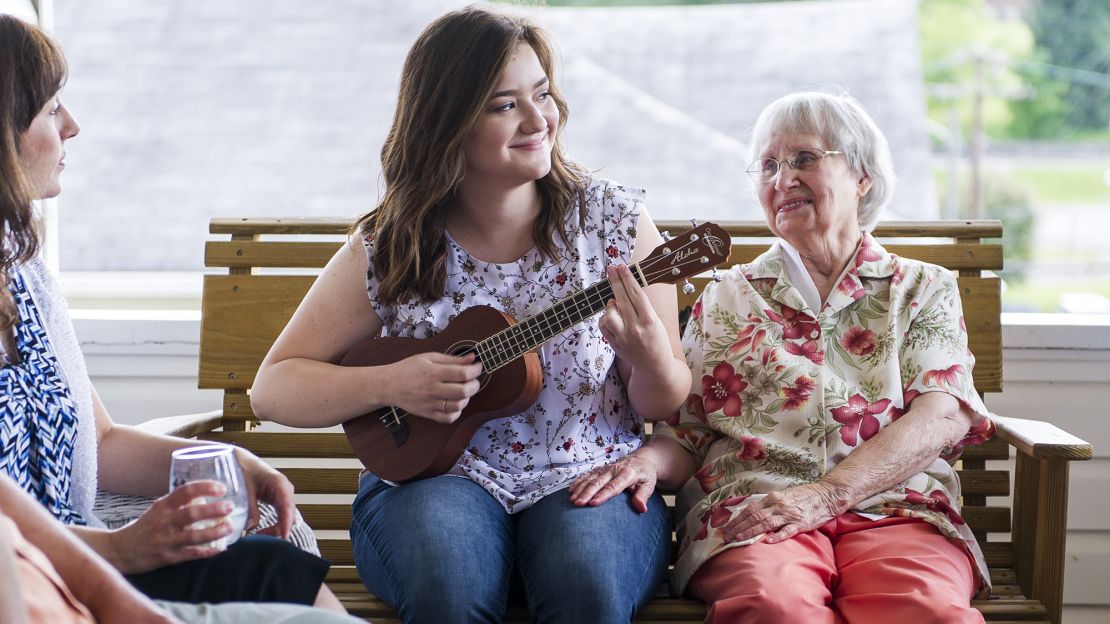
column 1019, row 107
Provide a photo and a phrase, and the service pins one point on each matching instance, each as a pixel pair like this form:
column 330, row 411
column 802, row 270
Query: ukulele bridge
column 396, row 426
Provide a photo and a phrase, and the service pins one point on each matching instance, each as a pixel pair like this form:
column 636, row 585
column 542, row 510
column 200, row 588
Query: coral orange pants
column 850, row 569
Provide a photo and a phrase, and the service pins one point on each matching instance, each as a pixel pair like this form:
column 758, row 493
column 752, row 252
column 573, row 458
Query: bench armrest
column 1040, row 521
column 185, row 426
column 1042, row 440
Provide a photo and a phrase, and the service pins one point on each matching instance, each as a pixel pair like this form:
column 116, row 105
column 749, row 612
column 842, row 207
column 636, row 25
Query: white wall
column 1061, row 373
column 144, row 363
column 146, row 367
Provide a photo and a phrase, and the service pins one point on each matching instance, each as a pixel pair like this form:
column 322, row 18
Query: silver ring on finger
column 444, row 405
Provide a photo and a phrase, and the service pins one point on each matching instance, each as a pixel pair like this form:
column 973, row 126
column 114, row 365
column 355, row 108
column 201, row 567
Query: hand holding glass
column 215, row 462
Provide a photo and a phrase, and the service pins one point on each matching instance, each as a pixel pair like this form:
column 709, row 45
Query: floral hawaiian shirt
column 582, row 418
column 782, row 393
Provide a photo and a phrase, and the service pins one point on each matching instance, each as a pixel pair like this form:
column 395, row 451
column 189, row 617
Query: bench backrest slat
column 315, row 254
column 242, row 313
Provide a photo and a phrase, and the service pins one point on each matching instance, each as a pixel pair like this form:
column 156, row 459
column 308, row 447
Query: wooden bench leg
column 1040, row 529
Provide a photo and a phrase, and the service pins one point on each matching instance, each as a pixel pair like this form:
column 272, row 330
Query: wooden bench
column 267, row 265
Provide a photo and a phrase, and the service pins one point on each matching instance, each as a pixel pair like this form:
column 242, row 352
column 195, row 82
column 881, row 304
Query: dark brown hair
column 447, row 80
column 32, row 70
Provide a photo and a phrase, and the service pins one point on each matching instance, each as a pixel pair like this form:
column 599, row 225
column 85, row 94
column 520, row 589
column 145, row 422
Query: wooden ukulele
column 397, row 447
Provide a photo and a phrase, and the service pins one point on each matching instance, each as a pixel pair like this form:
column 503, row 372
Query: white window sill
column 132, row 290
column 1076, row 332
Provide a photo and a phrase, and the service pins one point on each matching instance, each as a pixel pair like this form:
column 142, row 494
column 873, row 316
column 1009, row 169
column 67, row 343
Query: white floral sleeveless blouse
column 582, row 418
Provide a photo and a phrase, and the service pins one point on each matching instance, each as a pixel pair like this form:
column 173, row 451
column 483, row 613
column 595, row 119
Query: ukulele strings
column 508, row 339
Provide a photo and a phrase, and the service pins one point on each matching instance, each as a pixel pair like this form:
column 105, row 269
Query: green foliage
column 1042, row 116
column 953, row 34
column 1059, row 58
column 1074, row 34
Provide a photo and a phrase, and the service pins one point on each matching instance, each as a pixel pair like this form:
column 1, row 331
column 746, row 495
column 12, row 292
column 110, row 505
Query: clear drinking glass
column 214, row 462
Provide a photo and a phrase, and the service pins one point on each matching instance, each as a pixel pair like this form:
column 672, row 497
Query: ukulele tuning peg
column 716, row 276
column 688, row 288
column 666, row 235
column 693, row 223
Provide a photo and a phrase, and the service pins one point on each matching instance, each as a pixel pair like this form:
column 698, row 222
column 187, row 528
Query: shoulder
column 608, row 192
column 611, row 214
column 768, row 265
column 732, row 288
column 917, row 277
column 40, row 282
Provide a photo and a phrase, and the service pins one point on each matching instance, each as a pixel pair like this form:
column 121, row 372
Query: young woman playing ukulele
column 482, row 208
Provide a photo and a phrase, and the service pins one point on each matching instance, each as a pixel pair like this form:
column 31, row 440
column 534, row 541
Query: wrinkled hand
column 782, row 515
column 265, row 483
column 630, row 323
column 435, row 386
column 161, row 536
column 634, row 473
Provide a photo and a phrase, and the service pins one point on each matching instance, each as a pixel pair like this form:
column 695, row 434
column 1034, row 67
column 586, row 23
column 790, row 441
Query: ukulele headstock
column 694, row 251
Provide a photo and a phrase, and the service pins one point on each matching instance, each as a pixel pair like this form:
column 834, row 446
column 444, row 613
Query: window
column 197, row 110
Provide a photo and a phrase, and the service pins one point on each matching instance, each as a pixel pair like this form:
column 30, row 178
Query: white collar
column 799, row 277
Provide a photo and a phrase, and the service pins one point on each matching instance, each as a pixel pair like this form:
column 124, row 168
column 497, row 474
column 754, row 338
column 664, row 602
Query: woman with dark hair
column 481, row 207
column 57, row 440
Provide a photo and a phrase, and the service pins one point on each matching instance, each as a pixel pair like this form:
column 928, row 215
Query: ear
column 863, row 185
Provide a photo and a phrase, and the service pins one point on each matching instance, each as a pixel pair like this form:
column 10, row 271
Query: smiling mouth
column 792, row 204
column 530, row 145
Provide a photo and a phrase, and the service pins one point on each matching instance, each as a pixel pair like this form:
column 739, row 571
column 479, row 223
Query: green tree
column 1075, row 35
column 1044, row 114
column 953, row 34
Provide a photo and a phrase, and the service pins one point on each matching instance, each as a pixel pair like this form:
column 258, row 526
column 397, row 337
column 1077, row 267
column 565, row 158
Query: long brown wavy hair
column 447, row 80
column 32, row 70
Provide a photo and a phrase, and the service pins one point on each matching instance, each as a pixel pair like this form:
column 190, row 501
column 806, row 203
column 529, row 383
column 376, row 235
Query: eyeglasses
column 765, row 169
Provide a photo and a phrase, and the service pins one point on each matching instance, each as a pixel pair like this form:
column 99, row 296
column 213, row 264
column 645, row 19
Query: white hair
column 842, row 123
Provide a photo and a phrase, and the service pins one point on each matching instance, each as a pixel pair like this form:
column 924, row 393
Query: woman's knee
column 460, row 600
column 412, row 553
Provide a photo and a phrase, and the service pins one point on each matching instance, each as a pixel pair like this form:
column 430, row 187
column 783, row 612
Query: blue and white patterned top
column 582, row 418
column 38, row 417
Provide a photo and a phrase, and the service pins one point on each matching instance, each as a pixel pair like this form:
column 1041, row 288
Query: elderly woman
column 832, row 389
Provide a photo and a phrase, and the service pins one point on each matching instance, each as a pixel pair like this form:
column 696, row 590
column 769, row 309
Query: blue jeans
column 443, row 550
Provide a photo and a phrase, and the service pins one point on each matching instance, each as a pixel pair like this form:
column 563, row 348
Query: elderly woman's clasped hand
column 782, row 515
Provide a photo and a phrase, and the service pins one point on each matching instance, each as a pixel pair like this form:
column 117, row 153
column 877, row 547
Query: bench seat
column 269, row 264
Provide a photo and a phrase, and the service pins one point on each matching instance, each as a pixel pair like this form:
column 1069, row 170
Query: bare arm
column 131, row 461
column 301, row 384
column 12, row 607
column 936, row 421
column 91, row 580
column 645, row 336
column 905, row 447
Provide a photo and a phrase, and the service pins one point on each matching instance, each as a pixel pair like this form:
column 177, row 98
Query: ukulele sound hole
column 467, row 348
